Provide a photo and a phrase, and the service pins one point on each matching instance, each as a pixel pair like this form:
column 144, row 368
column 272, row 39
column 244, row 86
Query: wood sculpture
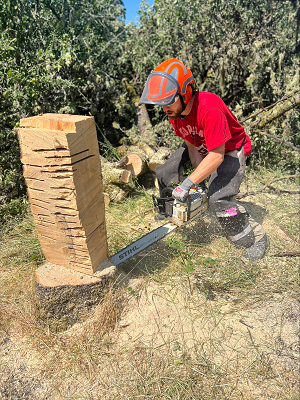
column 62, row 170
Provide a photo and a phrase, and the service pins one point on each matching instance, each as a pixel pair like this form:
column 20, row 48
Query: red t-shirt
column 211, row 124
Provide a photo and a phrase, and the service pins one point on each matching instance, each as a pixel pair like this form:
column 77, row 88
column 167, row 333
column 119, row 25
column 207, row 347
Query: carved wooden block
column 62, row 170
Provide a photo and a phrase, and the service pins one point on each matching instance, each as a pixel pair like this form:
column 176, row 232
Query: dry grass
column 219, row 327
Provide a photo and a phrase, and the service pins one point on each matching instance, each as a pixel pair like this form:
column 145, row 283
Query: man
column 215, row 143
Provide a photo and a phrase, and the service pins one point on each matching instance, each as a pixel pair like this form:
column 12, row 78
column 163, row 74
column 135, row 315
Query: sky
column 132, row 7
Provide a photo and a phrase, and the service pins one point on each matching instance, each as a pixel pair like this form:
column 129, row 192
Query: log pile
column 62, row 170
column 139, row 161
column 115, row 181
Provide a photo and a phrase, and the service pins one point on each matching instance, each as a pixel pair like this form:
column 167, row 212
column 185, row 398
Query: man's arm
column 209, row 164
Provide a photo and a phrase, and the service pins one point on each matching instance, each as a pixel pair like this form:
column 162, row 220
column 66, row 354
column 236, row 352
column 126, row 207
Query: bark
column 115, row 192
column 146, row 134
column 275, row 112
column 288, row 254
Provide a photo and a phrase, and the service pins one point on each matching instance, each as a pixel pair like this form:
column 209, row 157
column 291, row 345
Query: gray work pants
column 223, row 185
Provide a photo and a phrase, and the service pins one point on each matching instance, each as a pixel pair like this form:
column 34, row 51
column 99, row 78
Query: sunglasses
column 174, row 101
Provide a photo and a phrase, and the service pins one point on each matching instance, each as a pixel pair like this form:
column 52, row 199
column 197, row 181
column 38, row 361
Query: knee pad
column 234, row 220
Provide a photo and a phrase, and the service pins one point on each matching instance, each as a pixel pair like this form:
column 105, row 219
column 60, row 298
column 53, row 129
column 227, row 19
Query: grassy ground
column 193, row 319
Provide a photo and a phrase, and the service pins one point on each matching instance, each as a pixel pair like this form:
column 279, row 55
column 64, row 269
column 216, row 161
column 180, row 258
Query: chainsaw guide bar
column 142, row 243
column 154, row 236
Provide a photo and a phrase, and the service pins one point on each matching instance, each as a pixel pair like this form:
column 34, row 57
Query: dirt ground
column 230, row 325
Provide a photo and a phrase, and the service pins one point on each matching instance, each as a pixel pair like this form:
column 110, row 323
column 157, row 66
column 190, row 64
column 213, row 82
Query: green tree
column 245, row 51
column 232, row 47
column 57, row 56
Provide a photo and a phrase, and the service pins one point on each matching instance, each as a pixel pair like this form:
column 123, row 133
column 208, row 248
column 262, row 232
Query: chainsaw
column 180, row 212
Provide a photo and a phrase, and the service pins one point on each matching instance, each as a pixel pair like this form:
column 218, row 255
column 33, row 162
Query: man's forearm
column 208, row 165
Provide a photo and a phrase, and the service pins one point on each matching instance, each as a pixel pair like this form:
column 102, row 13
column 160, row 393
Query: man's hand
column 181, row 192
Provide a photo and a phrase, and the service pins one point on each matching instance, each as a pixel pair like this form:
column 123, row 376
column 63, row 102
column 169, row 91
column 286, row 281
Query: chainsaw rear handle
column 167, row 192
column 160, row 202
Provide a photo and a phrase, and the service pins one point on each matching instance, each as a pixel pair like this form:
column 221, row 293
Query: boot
column 234, row 220
column 261, row 243
column 258, row 249
column 242, row 230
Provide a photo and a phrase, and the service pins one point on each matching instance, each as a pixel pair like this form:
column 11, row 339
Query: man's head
column 169, row 86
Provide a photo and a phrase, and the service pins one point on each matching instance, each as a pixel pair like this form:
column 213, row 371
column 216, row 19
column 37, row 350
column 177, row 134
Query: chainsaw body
column 178, row 211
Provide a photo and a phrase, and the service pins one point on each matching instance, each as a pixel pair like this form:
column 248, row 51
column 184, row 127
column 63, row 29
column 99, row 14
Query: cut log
column 63, row 176
column 135, row 161
column 115, row 182
column 114, row 175
column 134, row 164
column 106, row 199
column 65, row 296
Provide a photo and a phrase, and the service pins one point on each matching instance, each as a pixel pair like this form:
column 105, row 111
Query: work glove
column 182, row 192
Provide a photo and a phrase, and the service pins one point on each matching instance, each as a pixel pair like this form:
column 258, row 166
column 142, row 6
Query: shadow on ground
column 201, row 232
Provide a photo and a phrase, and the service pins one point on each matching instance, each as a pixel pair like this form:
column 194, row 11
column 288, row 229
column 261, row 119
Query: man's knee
column 217, row 203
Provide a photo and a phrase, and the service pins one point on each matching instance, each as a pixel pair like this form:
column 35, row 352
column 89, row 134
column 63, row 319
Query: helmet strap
column 183, row 107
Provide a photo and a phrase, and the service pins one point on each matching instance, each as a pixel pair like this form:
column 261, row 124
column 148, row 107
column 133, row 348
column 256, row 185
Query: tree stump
column 66, row 296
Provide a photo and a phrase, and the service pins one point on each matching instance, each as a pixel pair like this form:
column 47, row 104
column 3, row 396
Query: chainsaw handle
column 167, row 190
column 160, row 202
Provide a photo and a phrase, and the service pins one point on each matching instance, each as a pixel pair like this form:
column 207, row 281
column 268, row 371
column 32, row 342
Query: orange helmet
column 170, row 78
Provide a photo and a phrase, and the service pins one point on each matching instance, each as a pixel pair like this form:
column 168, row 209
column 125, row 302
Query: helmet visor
column 160, row 89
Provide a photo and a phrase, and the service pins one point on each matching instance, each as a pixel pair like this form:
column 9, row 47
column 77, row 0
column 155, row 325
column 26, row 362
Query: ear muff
column 188, row 95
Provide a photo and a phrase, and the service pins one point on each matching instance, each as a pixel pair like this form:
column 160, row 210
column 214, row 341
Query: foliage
column 56, row 57
column 15, row 208
column 70, row 57
column 246, row 52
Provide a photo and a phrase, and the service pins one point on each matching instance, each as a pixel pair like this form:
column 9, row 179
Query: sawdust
column 160, row 318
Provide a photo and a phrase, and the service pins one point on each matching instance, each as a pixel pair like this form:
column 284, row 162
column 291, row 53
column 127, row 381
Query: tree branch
column 287, row 233
column 53, row 10
column 280, row 140
column 285, row 98
column 287, row 254
column 277, row 111
column 268, row 185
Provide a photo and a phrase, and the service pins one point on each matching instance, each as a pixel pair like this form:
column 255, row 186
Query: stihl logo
column 128, row 252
